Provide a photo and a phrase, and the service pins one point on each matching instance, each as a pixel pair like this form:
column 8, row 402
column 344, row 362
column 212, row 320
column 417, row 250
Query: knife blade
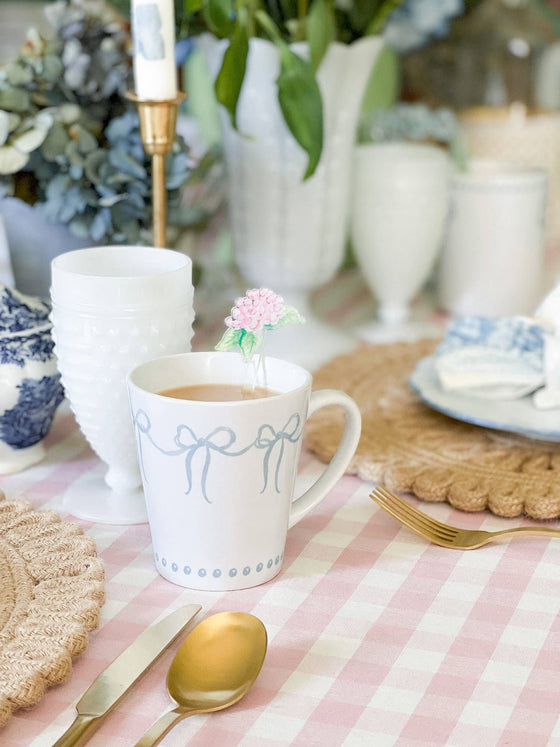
column 114, row 682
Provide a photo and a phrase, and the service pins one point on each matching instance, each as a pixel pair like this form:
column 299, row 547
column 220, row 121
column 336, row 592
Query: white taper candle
column 153, row 32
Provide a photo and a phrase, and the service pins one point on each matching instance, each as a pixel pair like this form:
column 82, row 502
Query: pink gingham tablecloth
column 375, row 636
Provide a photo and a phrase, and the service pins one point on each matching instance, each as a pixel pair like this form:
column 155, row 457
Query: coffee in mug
column 217, row 392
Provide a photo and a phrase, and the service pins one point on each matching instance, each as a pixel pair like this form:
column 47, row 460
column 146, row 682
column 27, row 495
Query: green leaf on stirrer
column 249, row 343
column 291, row 316
column 230, row 339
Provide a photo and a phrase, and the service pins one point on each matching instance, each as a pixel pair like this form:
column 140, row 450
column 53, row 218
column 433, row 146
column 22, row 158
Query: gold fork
column 445, row 535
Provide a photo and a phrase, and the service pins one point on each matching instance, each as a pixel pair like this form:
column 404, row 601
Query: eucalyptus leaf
column 230, row 78
column 11, row 159
column 302, row 106
column 125, row 163
column 18, row 74
column 30, row 140
column 111, row 200
column 13, row 120
column 93, row 163
column 62, row 101
column 4, row 126
column 68, row 113
column 100, row 224
column 14, row 99
column 117, row 178
column 52, row 68
column 321, row 30
column 84, row 140
column 55, row 142
column 132, row 233
column 174, row 181
column 73, row 154
column 80, row 226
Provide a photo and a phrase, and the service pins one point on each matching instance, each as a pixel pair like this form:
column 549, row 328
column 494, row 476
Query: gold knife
column 113, row 683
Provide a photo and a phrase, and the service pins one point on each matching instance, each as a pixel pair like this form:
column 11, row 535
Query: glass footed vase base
column 380, row 332
column 90, row 498
column 395, row 324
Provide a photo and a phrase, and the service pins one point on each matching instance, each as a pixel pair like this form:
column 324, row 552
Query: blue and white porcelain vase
column 30, row 388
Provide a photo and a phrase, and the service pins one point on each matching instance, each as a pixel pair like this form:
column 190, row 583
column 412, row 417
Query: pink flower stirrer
column 259, row 310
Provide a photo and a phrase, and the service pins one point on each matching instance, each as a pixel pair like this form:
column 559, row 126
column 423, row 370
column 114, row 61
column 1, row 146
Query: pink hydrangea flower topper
column 259, row 310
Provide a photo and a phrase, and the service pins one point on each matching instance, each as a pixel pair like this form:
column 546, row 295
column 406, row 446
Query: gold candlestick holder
column 158, row 128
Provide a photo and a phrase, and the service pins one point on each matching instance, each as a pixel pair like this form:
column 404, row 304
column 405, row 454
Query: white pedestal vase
column 289, row 234
column 398, row 214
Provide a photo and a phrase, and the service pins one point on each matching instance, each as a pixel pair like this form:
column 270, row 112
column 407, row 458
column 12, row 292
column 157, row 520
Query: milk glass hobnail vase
column 115, row 307
column 289, row 234
column 398, row 214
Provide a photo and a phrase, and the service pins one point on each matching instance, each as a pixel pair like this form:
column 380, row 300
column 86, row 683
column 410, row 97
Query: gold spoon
column 215, row 667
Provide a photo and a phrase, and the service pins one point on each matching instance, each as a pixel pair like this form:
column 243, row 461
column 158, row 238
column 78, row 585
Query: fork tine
column 414, row 519
column 434, row 524
column 409, row 521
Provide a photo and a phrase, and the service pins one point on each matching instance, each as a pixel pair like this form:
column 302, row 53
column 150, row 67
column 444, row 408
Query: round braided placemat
column 52, row 587
column 406, row 446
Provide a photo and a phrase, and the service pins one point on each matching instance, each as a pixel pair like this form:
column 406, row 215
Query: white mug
column 219, row 476
column 492, row 260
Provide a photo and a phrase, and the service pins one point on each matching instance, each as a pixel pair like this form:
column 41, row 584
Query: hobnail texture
column 95, row 355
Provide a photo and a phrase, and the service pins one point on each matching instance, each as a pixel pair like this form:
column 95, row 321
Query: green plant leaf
column 302, row 106
column 379, row 19
column 269, row 26
column 230, row 339
column 321, row 30
column 193, row 6
column 230, row 78
column 383, row 86
column 220, row 16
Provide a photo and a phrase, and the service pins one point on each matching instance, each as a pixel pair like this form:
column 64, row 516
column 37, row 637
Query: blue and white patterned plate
column 516, row 416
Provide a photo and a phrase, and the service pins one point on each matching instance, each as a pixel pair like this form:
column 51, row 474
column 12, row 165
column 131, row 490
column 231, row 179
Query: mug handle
column 346, row 448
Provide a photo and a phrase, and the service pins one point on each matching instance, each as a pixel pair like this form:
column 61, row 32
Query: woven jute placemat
column 406, row 446
column 52, row 587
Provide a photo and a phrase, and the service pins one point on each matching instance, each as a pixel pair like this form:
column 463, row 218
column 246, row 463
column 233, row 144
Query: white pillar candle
column 153, row 32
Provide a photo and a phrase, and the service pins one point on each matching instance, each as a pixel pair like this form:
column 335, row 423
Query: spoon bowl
column 215, row 667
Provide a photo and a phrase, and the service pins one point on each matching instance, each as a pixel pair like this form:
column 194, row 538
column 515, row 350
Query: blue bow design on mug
column 267, row 438
column 142, row 424
column 220, row 439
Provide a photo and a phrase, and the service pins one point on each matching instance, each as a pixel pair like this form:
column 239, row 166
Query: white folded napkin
column 547, row 316
column 492, row 358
